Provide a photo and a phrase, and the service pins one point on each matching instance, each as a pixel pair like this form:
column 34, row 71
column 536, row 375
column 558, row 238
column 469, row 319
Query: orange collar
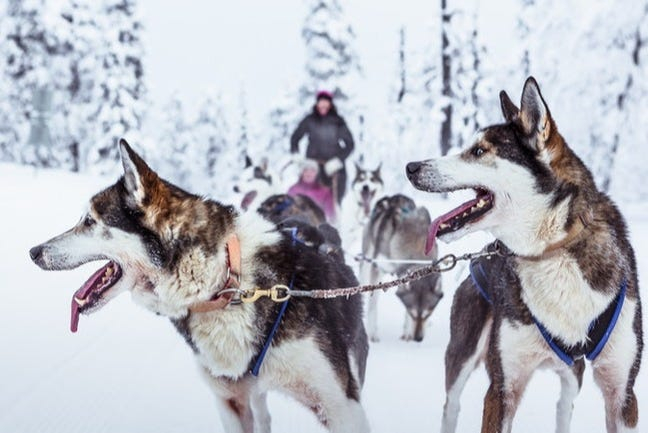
column 223, row 297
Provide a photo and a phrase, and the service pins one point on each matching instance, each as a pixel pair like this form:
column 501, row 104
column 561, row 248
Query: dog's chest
column 224, row 340
column 560, row 298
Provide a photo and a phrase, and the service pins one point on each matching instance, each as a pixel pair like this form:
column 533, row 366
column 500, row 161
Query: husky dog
column 367, row 187
column 185, row 257
column 568, row 288
column 279, row 207
column 396, row 231
column 255, row 183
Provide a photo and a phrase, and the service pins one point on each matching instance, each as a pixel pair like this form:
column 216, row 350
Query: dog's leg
column 571, row 380
column 233, row 401
column 511, row 361
column 616, row 368
column 470, row 328
column 460, row 361
column 262, row 419
column 372, row 308
column 408, row 327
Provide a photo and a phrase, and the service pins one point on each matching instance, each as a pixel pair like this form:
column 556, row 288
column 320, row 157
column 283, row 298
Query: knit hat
column 308, row 163
column 324, row 94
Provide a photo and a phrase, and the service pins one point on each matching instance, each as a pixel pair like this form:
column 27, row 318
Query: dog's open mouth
column 89, row 296
column 367, row 195
column 452, row 221
column 248, row 199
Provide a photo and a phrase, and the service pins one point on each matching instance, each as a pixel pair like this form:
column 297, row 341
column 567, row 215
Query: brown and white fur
column 571, row 254
column 170, row 247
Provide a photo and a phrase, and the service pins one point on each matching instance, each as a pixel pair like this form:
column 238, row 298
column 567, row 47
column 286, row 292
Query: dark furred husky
column 396, row 231
column 177, row 253
column 571, row 267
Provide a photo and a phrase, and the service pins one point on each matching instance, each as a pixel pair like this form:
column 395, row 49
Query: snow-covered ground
column 127, row 370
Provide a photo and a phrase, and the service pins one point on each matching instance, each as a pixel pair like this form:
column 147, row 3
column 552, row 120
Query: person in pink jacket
column 310, row 186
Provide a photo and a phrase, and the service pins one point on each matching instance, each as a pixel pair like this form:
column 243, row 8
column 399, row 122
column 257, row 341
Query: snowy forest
column 198, row 88
column 74, row 79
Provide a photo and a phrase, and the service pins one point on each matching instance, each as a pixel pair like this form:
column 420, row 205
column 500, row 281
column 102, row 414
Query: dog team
column 557, row 287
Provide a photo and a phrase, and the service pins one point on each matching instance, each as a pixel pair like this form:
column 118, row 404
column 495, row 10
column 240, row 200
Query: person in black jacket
column 329, row 142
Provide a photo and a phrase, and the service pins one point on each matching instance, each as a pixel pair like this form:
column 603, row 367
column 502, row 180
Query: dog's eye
column 478, row 151
column 88, row 221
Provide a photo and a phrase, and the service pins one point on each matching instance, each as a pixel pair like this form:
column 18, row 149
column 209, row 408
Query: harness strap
column 567, row 359
column 259, row 361
column 617, row 311
column 480, row 279
column 223, row 297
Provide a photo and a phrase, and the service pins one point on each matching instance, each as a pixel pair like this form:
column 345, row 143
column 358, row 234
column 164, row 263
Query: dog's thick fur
column 396, row 231
column 563, row 276
column 279, row 207
column 256, row 183
column 170, row 246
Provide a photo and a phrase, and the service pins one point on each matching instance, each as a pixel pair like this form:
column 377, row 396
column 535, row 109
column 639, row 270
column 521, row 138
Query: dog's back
column 396, row 231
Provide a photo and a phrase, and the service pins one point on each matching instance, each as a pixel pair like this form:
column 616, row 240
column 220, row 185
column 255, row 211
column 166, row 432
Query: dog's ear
column 509, row 109
column 248, row 161
column 377, row 170
column 136, row 172
column 357, row 167
column 534, row 117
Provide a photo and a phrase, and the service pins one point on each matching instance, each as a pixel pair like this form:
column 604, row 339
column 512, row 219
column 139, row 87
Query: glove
column 332, row 166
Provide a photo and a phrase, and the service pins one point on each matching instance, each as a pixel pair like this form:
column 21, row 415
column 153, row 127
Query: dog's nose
column 236, row 188
column 36, row 252
column 413, row 167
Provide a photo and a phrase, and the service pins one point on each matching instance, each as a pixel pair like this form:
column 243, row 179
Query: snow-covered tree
column 469, row 87
column 332, row 62
column 212, row 140
column 31, row 49
column 453, row 78
column 119, row 89
column 282, row 121
column 598, row 93
column 175, row 148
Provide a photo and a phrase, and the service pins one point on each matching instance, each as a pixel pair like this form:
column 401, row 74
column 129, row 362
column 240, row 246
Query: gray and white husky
column 397, row 230
column 367, row 186
column 185, row 257
column 567, row 288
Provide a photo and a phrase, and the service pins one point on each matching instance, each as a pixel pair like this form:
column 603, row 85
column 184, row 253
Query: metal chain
column 444, row 264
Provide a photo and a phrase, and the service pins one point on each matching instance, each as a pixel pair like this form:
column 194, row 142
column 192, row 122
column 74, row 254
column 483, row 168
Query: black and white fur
column 367, row 187
column 540, row 189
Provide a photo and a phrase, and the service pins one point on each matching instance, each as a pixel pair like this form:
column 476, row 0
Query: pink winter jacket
column 318, row 193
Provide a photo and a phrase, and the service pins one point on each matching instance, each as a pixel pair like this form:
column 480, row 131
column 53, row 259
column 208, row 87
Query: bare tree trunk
column 401, row 65
column 446, row 76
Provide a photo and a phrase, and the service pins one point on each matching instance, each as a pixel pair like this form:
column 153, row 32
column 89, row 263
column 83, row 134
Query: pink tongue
column 82, row 293
column 432, row 232
column 74, row 319
column 434, row 227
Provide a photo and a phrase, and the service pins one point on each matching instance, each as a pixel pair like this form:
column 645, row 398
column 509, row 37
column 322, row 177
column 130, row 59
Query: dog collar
column 223, row 297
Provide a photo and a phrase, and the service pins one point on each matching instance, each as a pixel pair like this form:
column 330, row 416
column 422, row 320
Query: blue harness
column 598, row 334
column 275, row 325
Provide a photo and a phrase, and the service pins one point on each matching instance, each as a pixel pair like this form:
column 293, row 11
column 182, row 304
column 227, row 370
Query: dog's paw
column 374, row 338
column 407, row 337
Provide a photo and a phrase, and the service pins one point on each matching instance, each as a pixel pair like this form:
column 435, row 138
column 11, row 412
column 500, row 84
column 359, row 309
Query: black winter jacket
column 328, row 137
